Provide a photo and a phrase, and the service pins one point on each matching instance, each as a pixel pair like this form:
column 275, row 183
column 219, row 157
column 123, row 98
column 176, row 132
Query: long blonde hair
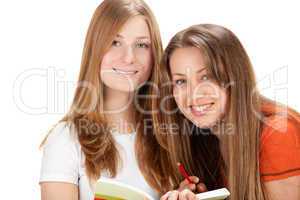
column 86, row 111
column 232, row 161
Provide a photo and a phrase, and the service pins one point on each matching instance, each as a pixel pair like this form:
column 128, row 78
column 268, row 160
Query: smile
column 201, row 109
column 125, row 72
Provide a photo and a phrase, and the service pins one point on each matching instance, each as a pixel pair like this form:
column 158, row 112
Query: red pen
column 184, row 173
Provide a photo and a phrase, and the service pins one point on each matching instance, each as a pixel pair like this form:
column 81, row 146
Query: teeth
column 124, row 72
column 201, row 108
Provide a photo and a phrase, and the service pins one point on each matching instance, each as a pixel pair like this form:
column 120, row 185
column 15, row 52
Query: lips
column 201, row 109
column 124, row 71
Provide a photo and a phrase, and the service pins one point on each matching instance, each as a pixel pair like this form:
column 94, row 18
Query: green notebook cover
column 113, row 190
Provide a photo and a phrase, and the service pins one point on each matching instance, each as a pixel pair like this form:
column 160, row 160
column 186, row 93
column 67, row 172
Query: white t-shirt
column 63, row 161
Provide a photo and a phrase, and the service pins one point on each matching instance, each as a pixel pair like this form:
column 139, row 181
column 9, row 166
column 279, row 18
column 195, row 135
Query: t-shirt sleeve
column 280, row 151
column 60, row 160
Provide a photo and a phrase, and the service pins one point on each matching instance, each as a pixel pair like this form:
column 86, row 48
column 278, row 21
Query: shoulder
column 280, row 131
column 63, row 133
column 280, row 148
column 61, row 158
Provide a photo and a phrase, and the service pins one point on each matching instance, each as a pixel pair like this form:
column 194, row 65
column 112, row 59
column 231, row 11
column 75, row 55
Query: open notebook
column 112, row 190
column 214, row 194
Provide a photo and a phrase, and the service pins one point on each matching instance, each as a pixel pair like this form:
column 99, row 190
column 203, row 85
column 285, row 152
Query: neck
column 222, row 130
column 119, row 110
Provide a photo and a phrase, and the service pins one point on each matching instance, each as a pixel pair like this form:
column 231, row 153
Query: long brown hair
column 86, row 112
column 232, row 160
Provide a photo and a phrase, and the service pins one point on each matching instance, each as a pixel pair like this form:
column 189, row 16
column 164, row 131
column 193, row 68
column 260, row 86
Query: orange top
column 280, row 149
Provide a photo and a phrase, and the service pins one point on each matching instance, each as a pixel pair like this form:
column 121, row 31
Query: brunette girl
column 228, row 134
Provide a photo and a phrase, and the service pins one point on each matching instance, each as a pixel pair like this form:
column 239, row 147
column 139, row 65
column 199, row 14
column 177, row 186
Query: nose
column 191, row 92
column 196, row 91
column 128, row 55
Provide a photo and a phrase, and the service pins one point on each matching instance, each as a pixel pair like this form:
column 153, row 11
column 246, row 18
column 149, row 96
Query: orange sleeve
column 280, row 150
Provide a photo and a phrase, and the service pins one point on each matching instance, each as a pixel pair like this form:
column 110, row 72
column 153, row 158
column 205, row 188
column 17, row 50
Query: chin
column 120, row 85
column 123, row 88
column 204, row 123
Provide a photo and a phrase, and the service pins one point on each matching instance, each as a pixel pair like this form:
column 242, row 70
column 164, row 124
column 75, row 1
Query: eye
column 179, row 82
column 116, row 43
column 142, row 45
column 204, row 77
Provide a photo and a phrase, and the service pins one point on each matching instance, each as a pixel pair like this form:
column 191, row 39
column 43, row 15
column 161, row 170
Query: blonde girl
column 96, row 138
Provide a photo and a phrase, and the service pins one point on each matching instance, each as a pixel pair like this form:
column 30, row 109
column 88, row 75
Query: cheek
column 145, row 61
column 144, row 58
column 180, row 98
column 109, row 59
column 222, row 102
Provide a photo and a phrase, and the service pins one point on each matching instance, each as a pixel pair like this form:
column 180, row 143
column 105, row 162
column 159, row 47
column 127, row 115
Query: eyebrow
column 200, row 70
column 140, row 37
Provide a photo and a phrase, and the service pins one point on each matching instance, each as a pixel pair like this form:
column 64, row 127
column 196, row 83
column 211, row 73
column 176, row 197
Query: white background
column 40, row 48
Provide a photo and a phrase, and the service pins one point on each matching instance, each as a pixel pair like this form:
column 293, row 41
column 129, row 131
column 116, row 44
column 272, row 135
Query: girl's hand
column 196, row 186
column 186, row 190
column 185, row 194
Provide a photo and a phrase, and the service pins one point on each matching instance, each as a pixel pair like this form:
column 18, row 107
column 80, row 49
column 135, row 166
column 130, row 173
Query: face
column 197, row 95
column 128, row 62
